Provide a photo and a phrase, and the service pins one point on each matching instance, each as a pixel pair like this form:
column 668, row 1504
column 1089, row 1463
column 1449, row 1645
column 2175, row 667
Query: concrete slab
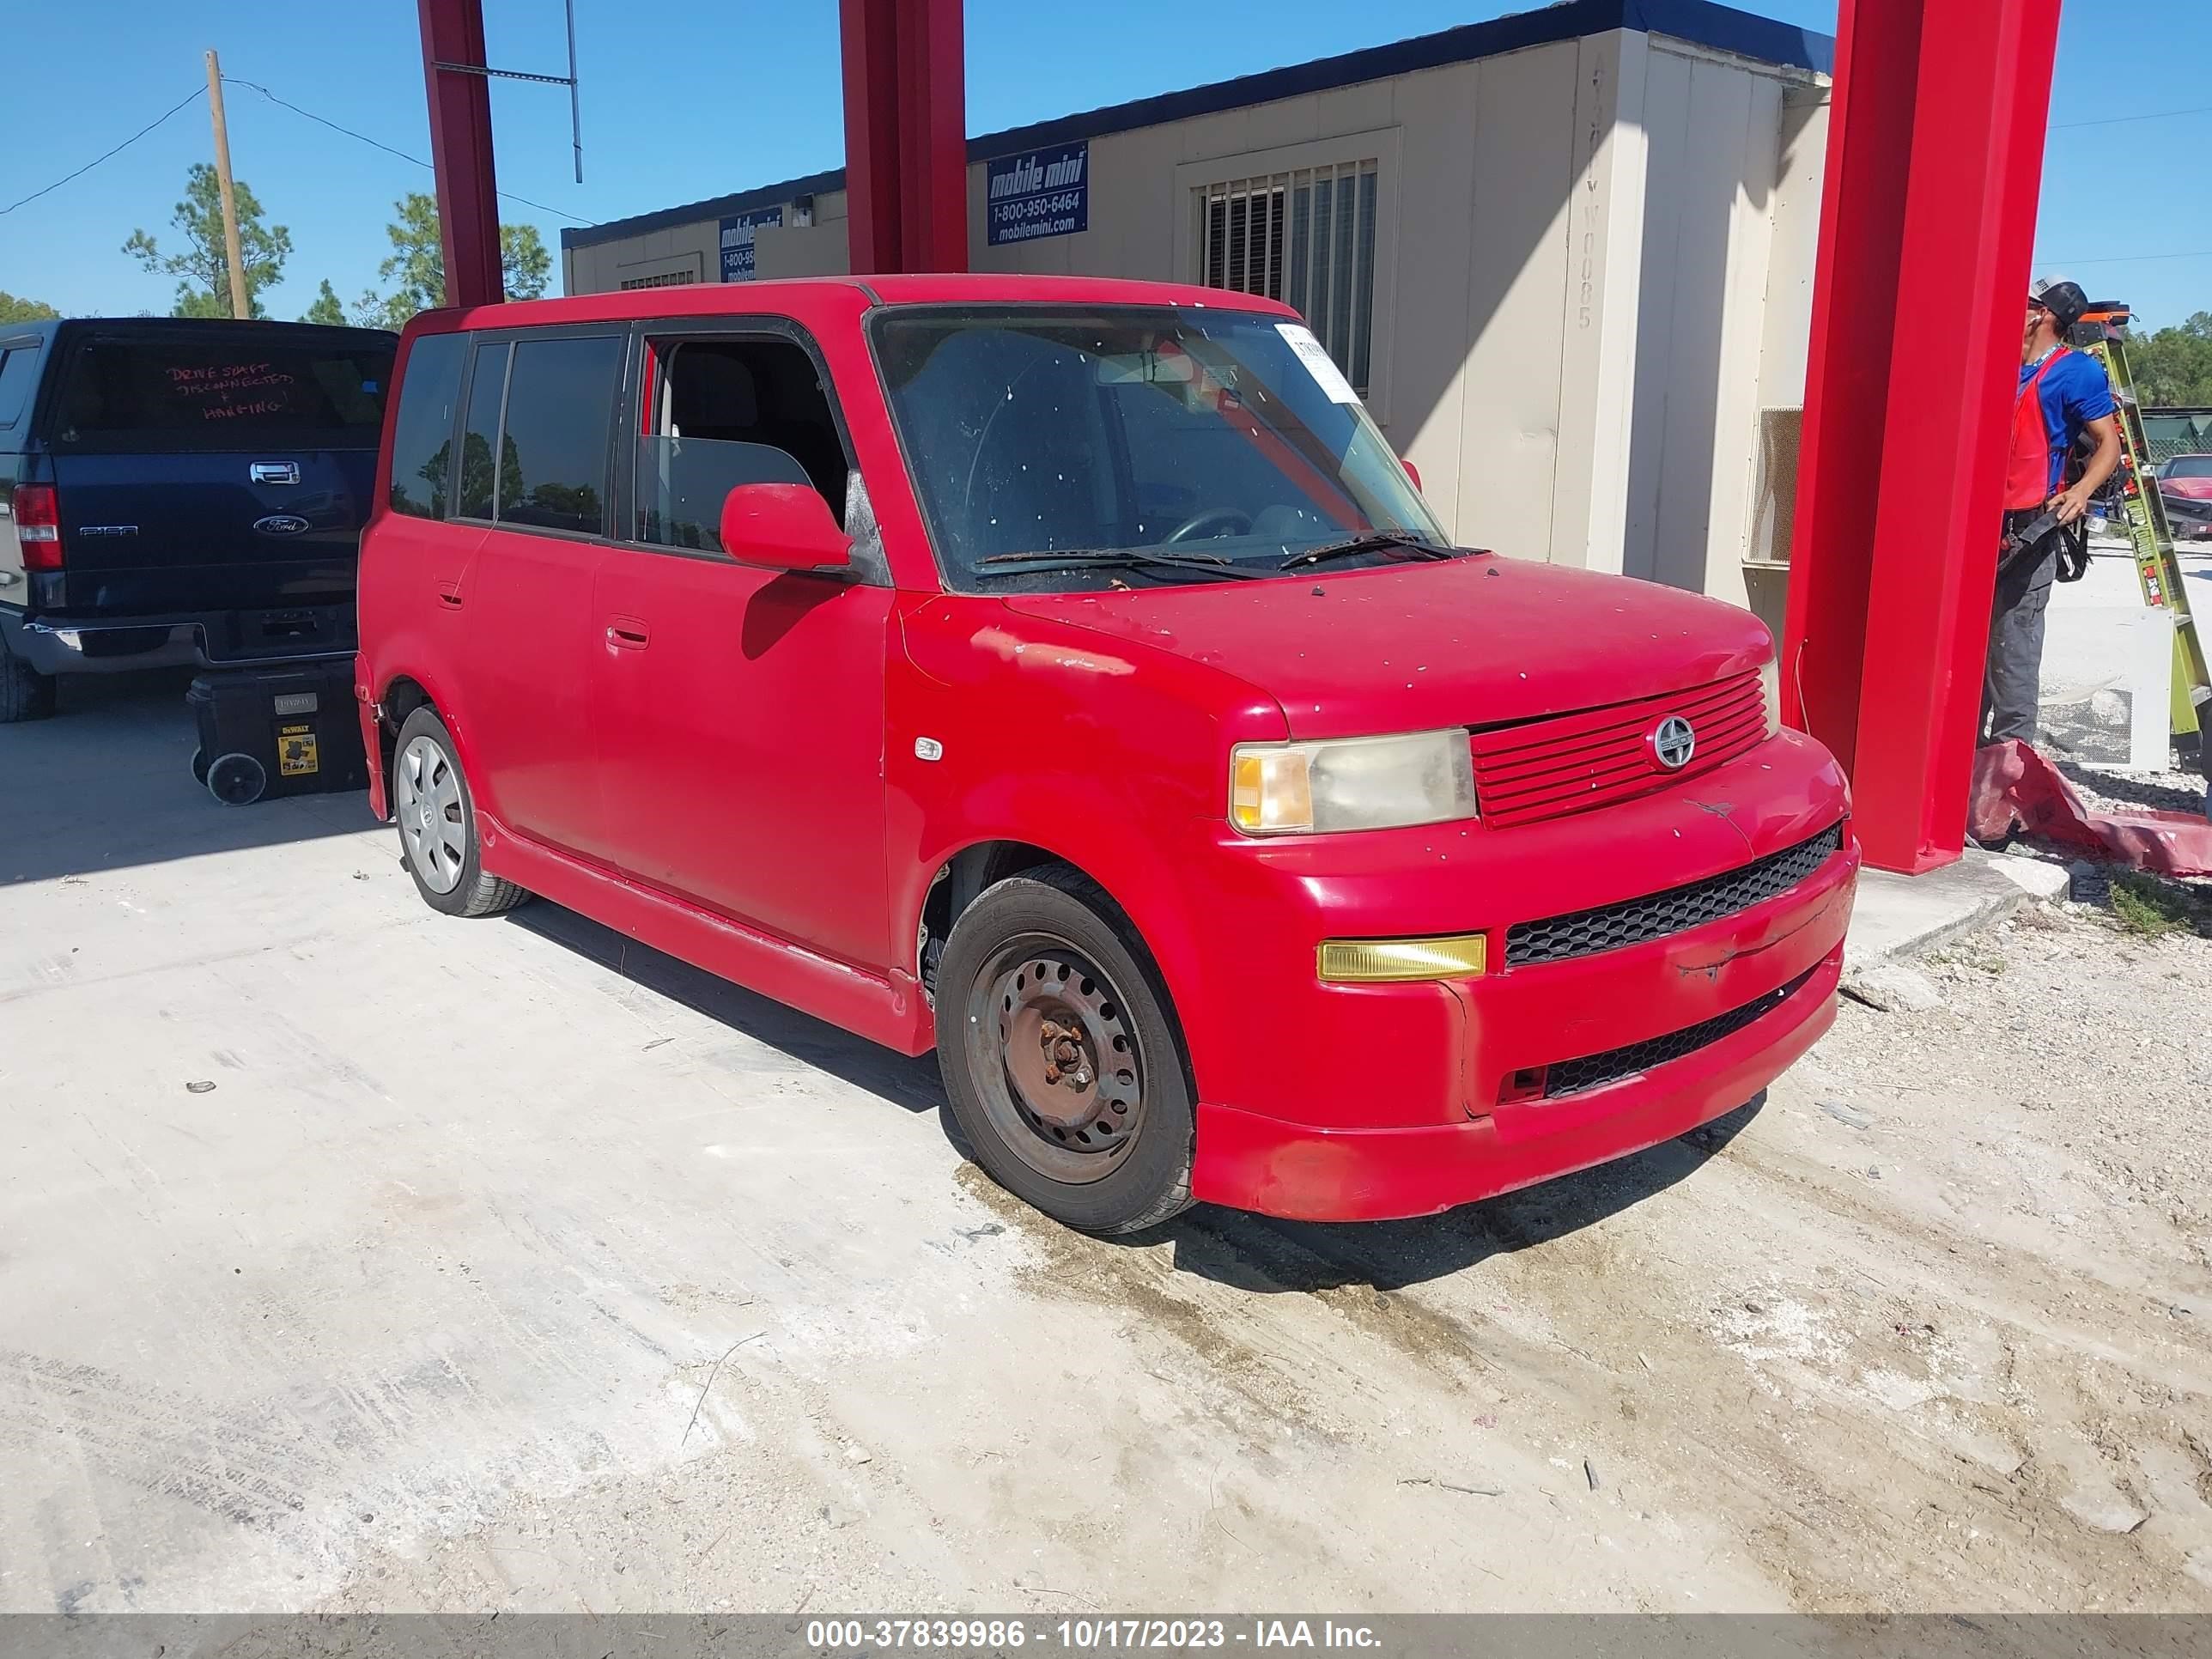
column 1904, row 915
column 508, row 1264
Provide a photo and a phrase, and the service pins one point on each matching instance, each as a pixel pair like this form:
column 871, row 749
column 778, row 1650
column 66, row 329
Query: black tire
column 475, row 893
column 1125, row 1165
column 237, row 780
column 25, row 693
column 199, row 766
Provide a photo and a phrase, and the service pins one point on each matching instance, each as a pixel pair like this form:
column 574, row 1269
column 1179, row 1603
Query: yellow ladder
column 2100, row 333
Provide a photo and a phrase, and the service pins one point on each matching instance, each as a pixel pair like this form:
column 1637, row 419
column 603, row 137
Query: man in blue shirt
column 2062, row 394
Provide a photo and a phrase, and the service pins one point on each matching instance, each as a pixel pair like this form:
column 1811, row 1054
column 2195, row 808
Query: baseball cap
column 2064, row 300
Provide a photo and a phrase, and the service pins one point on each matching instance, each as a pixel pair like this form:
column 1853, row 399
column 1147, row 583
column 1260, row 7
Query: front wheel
column 1060, row 1062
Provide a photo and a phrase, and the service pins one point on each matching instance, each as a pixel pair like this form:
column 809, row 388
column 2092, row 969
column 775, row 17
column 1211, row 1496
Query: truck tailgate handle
column 274, row 473
column 627, row 634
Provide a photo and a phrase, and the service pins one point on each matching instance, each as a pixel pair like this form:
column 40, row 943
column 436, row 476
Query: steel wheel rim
column 1055, row 1055
column 433, row 822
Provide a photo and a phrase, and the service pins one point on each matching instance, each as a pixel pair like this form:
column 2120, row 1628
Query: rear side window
column 561, row 400
column 217, row 391
column 422, row 433
column 480, row 440
column 19, row 368
column 546, row 408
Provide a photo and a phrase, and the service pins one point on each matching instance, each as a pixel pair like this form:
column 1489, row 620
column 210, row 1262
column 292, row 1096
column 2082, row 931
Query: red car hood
column 1403, row 647
column 2198, row 490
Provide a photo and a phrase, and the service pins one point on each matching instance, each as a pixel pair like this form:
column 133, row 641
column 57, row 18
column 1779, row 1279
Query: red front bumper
column 1253, row 1162
column 1368, row 1101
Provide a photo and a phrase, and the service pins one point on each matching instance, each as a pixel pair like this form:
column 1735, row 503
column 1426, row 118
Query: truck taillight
column 38, row 525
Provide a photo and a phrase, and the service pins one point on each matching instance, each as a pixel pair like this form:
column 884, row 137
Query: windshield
column 2190, row 467
column 1181, row 436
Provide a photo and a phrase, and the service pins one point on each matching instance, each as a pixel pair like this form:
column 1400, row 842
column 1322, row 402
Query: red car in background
column 2186, row 475
column 1064, row 674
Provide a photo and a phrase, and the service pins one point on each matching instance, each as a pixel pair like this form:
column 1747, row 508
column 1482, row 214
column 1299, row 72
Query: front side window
column 726, row 412
column 1190, row 436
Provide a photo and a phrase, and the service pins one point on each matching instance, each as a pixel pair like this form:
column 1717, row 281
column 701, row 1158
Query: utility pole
column 238, row 306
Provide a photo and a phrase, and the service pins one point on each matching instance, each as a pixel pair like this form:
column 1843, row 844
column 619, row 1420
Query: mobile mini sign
column 1039, row 192
column 738, row 241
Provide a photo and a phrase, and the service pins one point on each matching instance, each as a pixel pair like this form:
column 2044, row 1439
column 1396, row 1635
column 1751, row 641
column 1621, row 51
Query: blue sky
column 686, row 99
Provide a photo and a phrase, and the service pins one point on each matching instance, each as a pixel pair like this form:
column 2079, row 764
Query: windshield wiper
column 1099, row 558
column 1376, row 541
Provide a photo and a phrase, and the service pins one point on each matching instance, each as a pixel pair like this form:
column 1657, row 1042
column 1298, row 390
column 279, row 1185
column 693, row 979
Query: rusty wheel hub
column 1070, row 1062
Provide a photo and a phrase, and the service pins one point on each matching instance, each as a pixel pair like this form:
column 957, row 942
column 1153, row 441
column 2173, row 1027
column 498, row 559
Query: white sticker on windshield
column 1318, row 362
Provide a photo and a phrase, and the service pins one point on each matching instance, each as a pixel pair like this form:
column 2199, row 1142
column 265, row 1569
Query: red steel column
column 460, row 150
column 933, row 128
column 1935, row 156
column 905, row 146
column 869, row 31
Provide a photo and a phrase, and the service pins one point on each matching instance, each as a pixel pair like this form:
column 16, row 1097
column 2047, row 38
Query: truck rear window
column 217, row 393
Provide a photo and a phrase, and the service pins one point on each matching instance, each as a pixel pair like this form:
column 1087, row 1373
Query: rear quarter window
column 422, row 432
column 19, row 372
column 222, row 393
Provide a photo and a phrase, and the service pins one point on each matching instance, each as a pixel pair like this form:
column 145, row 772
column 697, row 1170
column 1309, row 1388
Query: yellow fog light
column 1376, row 960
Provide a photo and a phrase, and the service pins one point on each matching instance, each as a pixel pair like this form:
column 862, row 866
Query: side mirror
column 1412, row 473
column 784, row 526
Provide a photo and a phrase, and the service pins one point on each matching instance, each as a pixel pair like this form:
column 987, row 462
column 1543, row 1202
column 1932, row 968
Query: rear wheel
column 437, row 817
column 1060, row 1062
column 25, row 694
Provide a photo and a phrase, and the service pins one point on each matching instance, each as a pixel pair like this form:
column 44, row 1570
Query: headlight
column 1351, row 783
column 1770, row 686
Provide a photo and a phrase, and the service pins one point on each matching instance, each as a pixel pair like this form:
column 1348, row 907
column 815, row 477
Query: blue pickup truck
column 176, row 491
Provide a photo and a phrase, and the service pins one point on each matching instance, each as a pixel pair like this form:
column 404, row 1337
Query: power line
column 255, row 86
column 2114, row 120
column 197, row 92
column 2132, row 258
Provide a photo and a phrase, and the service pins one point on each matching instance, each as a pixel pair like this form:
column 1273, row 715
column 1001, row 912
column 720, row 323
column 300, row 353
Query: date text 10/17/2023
column 1085, row 1635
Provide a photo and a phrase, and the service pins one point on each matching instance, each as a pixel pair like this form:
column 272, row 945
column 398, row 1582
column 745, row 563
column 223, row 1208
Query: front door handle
column 449, row 594
column 628, row 634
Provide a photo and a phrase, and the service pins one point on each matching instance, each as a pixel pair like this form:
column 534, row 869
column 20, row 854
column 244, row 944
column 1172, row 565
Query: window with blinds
column 661, row 279
column 1306, row 237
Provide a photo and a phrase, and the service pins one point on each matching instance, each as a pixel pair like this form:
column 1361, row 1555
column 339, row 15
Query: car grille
column 1594, row 1071
column 1635, row 921
column 1548, row 768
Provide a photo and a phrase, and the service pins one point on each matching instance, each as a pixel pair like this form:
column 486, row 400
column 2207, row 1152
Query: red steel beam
column 1935, row 154
column 460, row 150
column 906, row 145
column 869, row 38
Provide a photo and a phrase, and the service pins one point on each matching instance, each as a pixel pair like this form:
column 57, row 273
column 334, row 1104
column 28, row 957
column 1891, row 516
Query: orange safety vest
column 2028, row 470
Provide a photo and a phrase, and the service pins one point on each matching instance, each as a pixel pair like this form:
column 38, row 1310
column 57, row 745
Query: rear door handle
column 274, row 473
column 628, row 634
column 449, row 593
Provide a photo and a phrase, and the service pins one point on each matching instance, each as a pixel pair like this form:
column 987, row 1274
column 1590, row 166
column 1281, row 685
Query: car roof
column 718, row 299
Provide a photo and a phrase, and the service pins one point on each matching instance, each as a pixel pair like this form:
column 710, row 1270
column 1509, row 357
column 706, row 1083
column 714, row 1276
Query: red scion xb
column 1065, row 674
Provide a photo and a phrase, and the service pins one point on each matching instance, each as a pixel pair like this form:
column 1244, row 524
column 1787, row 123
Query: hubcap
column 1056, row 1055
column 433, row 823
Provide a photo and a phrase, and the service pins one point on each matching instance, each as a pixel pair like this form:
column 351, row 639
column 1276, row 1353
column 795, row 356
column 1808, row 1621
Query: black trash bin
column 270, row 731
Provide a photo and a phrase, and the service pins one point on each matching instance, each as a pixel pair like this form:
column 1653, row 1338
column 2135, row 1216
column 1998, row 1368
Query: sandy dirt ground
column 507, row 1266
